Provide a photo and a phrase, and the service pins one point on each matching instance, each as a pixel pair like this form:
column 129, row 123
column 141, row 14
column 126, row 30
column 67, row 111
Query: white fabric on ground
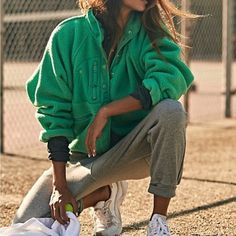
column 43, row 227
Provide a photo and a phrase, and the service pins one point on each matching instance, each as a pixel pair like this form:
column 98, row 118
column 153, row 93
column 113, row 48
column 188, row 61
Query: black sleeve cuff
column 144, row 96
column 58, row 149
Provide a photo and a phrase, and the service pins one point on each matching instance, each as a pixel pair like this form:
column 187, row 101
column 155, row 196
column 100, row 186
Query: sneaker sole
column 122, row 187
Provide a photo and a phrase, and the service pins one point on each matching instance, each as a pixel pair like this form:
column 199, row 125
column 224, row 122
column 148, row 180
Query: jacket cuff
column 154, row 90
column 144, row 96
column 58, row 149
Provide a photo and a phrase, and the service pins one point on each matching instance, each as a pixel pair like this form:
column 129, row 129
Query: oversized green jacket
column 73, row 80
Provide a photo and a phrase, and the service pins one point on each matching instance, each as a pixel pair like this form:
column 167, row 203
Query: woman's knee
column 171, row 113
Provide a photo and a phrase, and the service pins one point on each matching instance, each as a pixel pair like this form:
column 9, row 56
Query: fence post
column 227, row 52
column 1, row 78
column 185, row 6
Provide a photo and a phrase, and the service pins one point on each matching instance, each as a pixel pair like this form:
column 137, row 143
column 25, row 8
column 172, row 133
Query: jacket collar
column 132, row 28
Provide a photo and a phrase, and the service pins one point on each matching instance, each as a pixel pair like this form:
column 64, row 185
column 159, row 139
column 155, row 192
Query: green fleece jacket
column 73, row 80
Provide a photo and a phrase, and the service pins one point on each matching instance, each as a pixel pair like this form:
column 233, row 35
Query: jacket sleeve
column 166, row 75
column 49, row 89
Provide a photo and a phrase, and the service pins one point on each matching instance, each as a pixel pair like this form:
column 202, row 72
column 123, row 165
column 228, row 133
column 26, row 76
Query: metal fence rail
column 211, row 70
column 27, row 27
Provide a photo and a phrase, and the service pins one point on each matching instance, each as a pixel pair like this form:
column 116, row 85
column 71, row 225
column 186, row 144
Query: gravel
column 206, row 198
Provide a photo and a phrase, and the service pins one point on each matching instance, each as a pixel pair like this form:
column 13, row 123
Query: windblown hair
column 157, row 18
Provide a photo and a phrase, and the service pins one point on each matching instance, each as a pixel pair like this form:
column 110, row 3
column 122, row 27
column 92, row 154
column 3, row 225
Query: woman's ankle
column 105, row 192
column 101, row 194
column 160, row 205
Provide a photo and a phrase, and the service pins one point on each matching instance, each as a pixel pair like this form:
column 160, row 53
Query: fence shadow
column 135, row 226
column 210, row 181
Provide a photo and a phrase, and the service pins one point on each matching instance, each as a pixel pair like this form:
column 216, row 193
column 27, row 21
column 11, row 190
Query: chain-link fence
column 208, row 100
column 27, row 26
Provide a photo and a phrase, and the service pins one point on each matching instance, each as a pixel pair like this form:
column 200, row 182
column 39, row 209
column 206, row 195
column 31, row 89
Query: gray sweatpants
column 155, row 148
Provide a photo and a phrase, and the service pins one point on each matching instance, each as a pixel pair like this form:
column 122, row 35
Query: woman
column 108, row 86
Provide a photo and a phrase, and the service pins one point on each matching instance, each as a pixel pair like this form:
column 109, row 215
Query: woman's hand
column 59, row 198
column 95, row 131
column 124, row 105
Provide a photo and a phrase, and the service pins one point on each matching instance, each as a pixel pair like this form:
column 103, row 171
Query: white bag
column 43, row 227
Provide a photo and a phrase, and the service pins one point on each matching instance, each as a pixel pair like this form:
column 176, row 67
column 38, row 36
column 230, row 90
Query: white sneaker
column 106, row 214
column 158, row 226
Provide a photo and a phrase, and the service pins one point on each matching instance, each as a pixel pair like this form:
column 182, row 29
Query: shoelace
column 159, row 227
column 103, row 214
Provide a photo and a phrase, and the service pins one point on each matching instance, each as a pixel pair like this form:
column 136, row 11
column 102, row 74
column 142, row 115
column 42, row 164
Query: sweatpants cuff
column 161, row 190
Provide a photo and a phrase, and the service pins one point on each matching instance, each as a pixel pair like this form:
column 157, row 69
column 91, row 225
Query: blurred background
column 26, row 26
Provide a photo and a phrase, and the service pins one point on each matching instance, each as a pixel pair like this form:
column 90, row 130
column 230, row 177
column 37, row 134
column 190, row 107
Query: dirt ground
column 206, row 199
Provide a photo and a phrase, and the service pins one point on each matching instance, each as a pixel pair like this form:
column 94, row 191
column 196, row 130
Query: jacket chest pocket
column 94, row 83
column 89, row 82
